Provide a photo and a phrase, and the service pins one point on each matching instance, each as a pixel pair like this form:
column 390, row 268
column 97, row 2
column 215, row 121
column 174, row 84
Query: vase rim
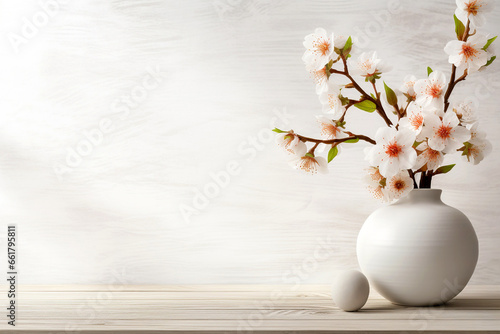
column 419, row 195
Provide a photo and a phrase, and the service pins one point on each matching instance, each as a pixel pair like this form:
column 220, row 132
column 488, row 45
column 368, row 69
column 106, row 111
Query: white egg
column 350, row 290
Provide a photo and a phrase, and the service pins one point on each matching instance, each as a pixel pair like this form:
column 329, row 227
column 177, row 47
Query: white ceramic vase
column 418, row 251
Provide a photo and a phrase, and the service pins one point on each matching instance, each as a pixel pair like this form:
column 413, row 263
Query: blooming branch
column 426, row 130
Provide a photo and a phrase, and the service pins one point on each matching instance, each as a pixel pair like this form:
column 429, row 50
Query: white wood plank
column 231, row 308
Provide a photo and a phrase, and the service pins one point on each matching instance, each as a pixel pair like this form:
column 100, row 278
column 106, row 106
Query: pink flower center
column 434, row 90
column 416, row 121
column 393, row 150
column 399, row 185
column 472, row 7
column 329, row 130
column 432, row 155
column 323, row 46
column 366, row 66
column 468, row 51
column 444, row 132
column 473, row 151
column 308, row 164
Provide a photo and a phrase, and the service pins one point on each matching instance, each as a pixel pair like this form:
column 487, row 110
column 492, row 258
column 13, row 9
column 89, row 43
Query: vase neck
column 425, row 195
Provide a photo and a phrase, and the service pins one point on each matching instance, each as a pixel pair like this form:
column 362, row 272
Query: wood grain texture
column 225, row 69
column 241, row 309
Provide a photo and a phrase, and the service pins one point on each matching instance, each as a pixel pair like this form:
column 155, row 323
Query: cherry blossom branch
column 375, row 89
column 466, row 31
column 406, row 108
column 336, row 141
column 412, row 175
column 451, row 85
column 312, row 148
column 350, row 104
column 377, row 102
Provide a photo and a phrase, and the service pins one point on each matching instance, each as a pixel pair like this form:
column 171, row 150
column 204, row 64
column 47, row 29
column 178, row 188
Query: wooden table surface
column 238, row 309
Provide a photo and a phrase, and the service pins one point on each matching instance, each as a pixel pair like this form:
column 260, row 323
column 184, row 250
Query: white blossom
column 331, row 101
column 414, row 119
column 428, row 157
column 319, row 48
column 375, row 183
column 445, row 134
column 393, row 152
column 476, row 150
column 468, row 55
column 408, row 86
column 399, row 185
column 310, row 164
column 465, row 112
column 291, row 143
column 430, row 91
column 368, row 65
column 473, row 10
column 320, row 78
column 330, row 130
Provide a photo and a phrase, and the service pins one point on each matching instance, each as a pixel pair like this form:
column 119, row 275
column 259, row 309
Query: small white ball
column 350, row 290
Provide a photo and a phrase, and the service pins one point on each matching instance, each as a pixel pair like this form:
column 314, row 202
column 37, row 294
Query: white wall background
column 226, row 68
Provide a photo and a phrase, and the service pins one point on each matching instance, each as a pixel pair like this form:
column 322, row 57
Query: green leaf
column 459, row 28
column 492, row 59
column 347, row 46
column 332, row 153
column 278, row 130
column 444, row 169
column 392, row 99
column 366, row 105
column 429, row 71
column 491, row 40
column 352, row 141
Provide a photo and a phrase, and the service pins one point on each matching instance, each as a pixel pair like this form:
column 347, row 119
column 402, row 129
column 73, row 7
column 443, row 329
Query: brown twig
column 412, row 175
column 380, row 108
column 350, row 104
column 313, row 148
column 335, row 141
column 466, row 31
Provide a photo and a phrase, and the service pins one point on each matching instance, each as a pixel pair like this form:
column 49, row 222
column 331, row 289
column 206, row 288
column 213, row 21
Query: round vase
column 418, row 251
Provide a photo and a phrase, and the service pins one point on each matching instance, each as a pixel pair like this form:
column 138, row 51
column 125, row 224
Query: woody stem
column 335, row 141
column 366, row 96
column 313, row 148
column 412, row 175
